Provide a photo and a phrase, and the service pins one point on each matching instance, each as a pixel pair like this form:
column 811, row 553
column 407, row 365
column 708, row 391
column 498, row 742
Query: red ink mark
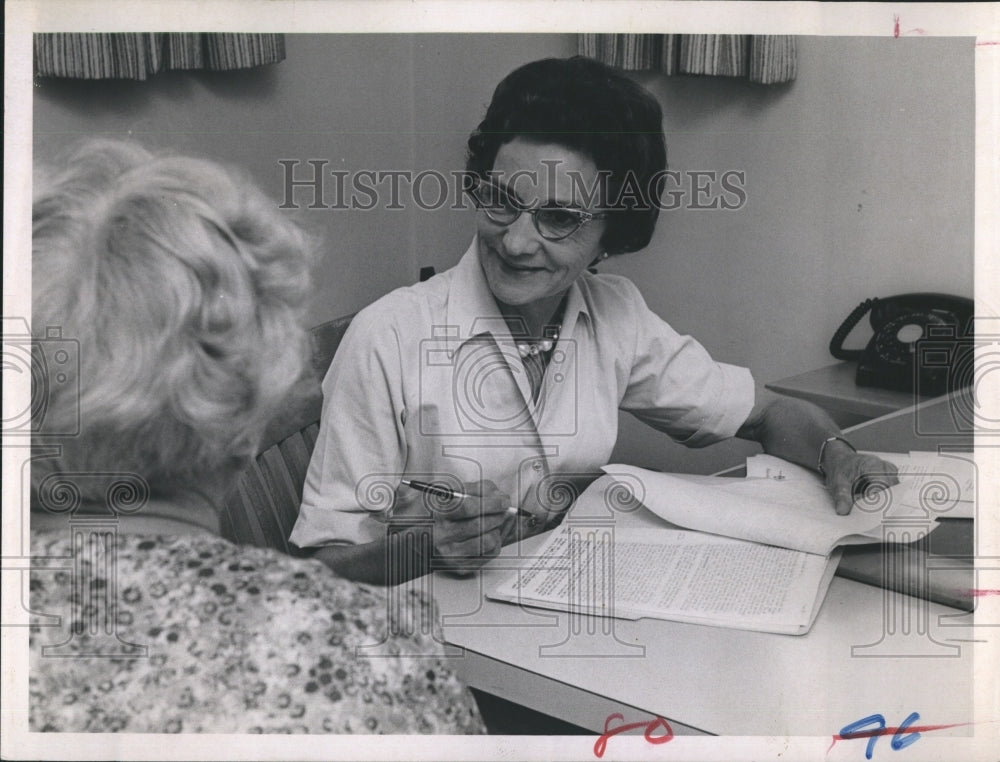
column 891, row 732
column 915, row 30
column 602, row 742
column 895, row 25
column 981, row 593
column 988, row 42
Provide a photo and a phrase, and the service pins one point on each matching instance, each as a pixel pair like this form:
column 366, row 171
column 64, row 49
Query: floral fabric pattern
column 171, row 634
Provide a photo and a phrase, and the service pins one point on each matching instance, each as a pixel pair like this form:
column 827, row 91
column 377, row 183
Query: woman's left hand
column 850, row 473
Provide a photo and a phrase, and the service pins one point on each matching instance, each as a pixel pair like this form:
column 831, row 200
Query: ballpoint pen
column 449, row 494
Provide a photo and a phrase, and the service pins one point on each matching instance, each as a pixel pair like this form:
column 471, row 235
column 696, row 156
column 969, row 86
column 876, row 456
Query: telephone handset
column 922, row 343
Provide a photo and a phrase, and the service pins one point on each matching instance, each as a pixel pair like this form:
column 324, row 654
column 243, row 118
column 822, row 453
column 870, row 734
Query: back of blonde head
column 183, row 285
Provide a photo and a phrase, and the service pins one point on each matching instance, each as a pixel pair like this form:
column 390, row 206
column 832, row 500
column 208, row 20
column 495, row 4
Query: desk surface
column 716, row 680
column 869, row 650
column 833, row 388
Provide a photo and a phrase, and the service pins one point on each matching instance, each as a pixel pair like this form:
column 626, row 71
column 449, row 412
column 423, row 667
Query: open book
column 754, row 553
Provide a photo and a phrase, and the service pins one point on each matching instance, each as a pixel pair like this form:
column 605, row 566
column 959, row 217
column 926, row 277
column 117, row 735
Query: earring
column 600, row 258
column 592, row 268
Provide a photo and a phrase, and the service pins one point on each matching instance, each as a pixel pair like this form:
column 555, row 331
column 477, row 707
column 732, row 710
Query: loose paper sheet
column 938, row 485
column 791, row 513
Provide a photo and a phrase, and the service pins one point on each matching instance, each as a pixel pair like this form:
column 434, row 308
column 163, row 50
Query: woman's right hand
column 468, row 531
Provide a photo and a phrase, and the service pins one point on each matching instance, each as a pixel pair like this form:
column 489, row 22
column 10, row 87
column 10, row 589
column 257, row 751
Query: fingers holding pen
column 478, row 504
column 475, row 528
column 468, row 523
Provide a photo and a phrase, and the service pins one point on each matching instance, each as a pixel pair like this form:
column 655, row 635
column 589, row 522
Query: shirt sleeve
column 361, row 447
column 675, row 386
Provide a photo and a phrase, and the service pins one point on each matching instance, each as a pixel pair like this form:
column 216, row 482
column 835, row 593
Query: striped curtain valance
column 767, row 59
column 139, row 56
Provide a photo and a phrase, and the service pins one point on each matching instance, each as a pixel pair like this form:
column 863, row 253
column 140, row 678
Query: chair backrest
column 262, row 508
column 326, row 338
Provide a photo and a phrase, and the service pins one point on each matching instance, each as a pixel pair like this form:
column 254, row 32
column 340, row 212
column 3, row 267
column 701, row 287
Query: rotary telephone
column 922, row 343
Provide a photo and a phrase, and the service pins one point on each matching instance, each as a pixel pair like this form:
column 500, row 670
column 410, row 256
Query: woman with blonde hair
column 179, row 288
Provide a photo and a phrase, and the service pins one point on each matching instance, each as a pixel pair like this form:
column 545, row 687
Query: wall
column 378, row 102
column 859, row 183
column 858, row 176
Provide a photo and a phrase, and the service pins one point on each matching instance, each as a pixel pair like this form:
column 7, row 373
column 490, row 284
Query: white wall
column 858, row 176
column 859, row 183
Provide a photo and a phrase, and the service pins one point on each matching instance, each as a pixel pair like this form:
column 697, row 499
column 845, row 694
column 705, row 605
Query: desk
column 834, row 390
column 852, row 663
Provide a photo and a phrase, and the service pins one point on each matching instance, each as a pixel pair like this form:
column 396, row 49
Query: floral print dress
column 194, row 634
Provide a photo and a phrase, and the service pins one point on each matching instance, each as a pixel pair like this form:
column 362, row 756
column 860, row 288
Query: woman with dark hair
column 501, row 380
column 586, row 107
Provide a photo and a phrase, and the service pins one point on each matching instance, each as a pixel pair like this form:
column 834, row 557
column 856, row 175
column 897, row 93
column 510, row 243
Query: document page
column 941, row 485
column 944, row 484
column 673, row 574
column 794, row 514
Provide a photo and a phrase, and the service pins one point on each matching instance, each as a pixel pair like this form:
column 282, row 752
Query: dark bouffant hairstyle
column 583, row 105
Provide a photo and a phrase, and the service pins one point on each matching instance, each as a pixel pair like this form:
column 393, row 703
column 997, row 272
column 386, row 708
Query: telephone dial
column 922, row 343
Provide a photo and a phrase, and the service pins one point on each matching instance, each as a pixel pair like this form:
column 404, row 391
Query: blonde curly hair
column 184, row 286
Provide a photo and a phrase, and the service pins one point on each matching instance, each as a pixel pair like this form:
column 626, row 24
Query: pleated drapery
column 767, row 59
column 139, row 56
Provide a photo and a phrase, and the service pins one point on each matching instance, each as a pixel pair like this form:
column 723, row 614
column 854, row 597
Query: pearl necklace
column 527, row 349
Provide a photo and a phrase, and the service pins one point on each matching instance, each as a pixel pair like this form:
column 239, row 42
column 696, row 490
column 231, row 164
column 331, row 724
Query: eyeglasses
column 553, row 223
